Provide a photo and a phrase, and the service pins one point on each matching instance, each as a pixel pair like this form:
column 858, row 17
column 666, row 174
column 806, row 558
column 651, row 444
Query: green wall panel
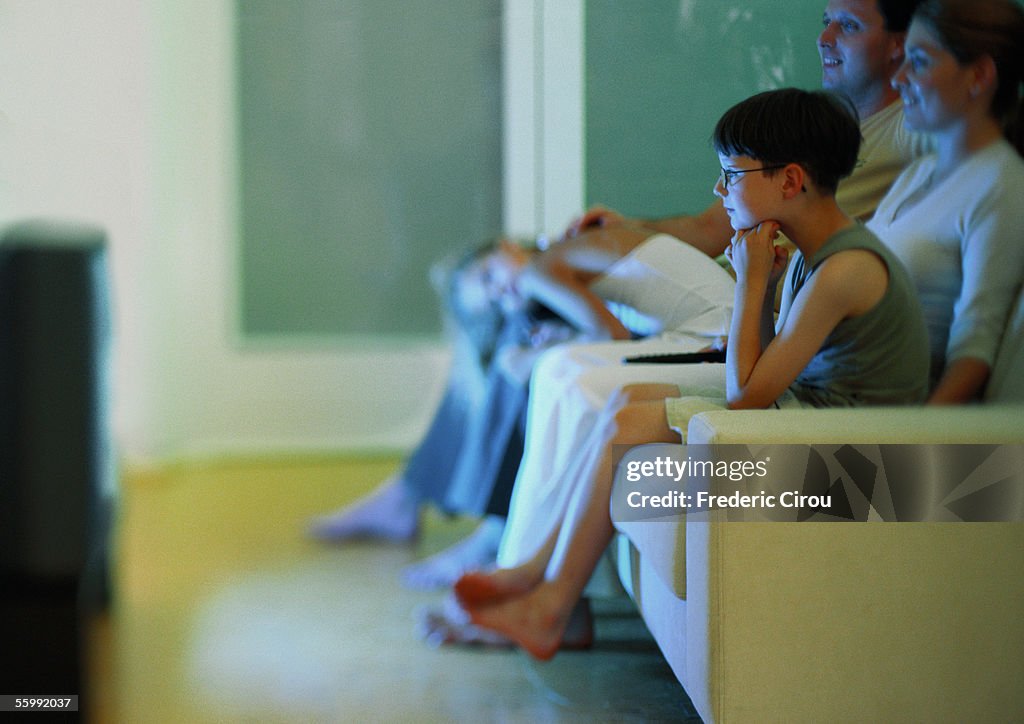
column 370, row 147
column 659, row 73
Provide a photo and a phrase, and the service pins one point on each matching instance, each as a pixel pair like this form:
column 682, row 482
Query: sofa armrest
column 1003, row 424
column 861, row 621
column 814, row 622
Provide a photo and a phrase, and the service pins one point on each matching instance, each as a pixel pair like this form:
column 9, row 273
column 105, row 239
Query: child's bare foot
column 450, row 625
column 483, row 587
column 538, row 622
column 442, row 569
column 388, row 513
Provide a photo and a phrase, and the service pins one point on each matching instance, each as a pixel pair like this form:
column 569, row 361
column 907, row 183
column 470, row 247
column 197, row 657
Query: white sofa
column 847, row 621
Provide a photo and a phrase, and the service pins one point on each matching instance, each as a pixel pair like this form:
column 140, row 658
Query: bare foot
column 483, row 587
column 441, row 570
column 538, row 622
column 451, row 625
column 388, row 513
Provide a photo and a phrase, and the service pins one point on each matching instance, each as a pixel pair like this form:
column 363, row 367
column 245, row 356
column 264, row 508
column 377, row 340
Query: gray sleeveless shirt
column 877, row 358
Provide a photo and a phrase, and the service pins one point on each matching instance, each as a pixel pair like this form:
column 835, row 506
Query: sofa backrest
column 1007, row 381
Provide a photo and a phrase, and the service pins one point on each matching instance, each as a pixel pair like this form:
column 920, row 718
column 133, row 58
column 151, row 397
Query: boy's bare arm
column 845, row 285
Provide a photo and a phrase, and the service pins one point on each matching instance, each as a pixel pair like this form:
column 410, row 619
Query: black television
column 56, row 467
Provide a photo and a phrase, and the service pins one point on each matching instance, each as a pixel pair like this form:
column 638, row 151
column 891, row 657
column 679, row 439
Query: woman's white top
column 961, row 236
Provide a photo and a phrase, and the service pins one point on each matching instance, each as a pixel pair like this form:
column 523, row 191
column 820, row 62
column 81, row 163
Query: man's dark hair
column 897, row 14
column 816, row 129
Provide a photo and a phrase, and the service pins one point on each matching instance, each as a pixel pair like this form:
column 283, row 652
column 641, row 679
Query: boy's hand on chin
column 753, row 253
column 778, row 266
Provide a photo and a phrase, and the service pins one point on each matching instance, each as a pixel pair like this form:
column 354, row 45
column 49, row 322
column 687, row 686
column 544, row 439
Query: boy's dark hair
column 815, row 129
column 897, row 14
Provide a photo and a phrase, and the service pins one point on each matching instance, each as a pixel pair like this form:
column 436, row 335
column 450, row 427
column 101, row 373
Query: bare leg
column 481, row 587
column 441, row 570
column 537, row 620
column 388, row 513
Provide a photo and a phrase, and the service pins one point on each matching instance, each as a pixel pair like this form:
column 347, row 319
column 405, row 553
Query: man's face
column 858, row 55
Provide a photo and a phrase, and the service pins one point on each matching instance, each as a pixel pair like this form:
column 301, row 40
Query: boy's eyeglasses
column 727, row 175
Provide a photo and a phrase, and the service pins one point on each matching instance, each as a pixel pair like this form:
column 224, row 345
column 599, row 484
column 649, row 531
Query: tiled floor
column 225, row 613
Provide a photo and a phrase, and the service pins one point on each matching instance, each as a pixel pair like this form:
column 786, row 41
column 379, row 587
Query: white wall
column 120, row 112
column 544, row 122
column 76, row 98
